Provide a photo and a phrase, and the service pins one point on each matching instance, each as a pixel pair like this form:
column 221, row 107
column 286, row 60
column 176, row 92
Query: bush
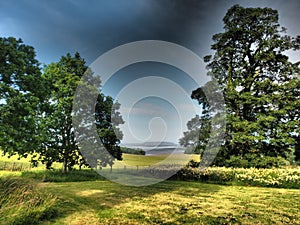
column 237, row 161
column 252, row 160
column 271, row 177
column 193, row 164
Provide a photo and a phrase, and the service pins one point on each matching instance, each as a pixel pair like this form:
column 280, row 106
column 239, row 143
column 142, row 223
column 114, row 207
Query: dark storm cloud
column 84, row 26
column 95, row 26
column 191, row 23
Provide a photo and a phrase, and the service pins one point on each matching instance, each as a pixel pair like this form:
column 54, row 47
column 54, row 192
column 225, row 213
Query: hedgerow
column 275, row 177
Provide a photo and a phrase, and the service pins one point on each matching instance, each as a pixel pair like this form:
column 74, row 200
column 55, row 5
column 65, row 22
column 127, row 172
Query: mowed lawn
column 172, row 202
column 169, row 202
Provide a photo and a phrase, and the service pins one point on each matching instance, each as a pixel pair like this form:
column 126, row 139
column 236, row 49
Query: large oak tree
column 21, row 92
column 260, row 84
column 60, row 143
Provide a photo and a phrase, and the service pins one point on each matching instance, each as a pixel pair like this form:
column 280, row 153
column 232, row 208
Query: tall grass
column 21, row 202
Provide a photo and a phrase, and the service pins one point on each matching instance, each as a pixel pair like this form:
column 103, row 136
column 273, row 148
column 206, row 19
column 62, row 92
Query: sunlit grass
column 15, row 162
column 142, row 160
column 170, row 202
column 128, row 160
column 21, row 202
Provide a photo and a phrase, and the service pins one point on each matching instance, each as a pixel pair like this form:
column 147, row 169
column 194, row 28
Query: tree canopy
column 260, row 84
column 36, row 108
column 21, row 91
column 60, row 143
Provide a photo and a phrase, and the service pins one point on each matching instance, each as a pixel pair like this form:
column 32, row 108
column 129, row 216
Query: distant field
column 141, row 160
column 21, row 163
column 128, row 160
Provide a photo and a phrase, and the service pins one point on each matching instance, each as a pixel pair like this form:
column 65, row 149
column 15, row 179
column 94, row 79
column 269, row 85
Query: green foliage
column 193, row 164
column 59, row 143
column 21, row 91
column 36, row 108
column 256, row 161
column 57, row 134
column 273, row 177
column 107, row 121
column 260, row 85
column 21, row 202
column 195, row 140
column 133, row 151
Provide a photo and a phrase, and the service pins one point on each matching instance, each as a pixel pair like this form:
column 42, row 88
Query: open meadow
column 95, row 200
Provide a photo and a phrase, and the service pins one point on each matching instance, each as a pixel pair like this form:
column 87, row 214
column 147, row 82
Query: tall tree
column 196, row 137
column 21, row 91
column 60, row 143
column 260, row 84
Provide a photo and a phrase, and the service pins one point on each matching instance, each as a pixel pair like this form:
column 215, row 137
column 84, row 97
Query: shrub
column 271, row 177
column 252, row 160
column 237, row 161
column 193, row 164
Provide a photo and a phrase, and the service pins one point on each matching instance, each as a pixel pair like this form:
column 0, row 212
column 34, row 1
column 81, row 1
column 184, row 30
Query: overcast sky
column 92, row 27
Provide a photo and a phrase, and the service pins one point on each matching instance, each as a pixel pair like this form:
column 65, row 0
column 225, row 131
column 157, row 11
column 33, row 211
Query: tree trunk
column 65, row 162
column 297, row 149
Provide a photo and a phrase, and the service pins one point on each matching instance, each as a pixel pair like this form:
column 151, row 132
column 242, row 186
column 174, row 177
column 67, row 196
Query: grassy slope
column 173, row 202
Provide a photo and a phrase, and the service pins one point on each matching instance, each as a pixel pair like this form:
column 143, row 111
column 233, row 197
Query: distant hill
column 155, row 147
column 152, row 144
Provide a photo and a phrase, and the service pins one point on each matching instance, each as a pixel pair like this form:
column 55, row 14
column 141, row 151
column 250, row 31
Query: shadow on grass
column 103, row 197
column 58, row 176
